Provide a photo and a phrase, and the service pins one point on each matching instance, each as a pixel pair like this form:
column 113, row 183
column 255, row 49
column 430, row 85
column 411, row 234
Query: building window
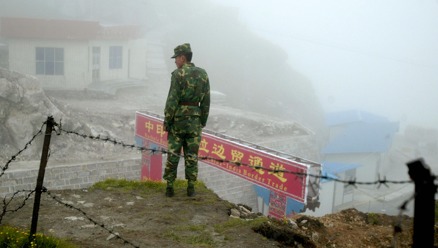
column 115, row 57
column 49, row 61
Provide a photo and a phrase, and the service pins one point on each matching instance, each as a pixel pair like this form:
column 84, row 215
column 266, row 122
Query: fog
column 297, row 60
column 378, row 56
column 371, row 55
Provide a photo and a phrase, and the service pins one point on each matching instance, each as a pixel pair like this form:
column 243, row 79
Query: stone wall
column 23, row 175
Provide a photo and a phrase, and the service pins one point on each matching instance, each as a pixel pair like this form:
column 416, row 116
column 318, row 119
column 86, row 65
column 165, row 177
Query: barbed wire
column 89, row 218
column 351, row 182
column 13, row 157
column 7, row 202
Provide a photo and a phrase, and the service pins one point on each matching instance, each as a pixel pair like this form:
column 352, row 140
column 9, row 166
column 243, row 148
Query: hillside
column 143, row 217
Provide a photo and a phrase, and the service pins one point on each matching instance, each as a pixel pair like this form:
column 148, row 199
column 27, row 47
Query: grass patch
column 146, row 187
column 12, row 237
column 127, row 185
column 194, row 235
column 235, row 224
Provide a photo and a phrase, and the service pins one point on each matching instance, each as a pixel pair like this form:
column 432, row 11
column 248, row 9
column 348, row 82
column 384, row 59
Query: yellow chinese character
column 160, row 130
column 257, row 161
column 149, row 126
column 219, row 151
column 278, row 171
column 203, row 146
column 236, row 156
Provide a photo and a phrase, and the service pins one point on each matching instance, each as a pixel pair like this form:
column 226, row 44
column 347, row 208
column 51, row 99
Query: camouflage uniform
column 185, row 114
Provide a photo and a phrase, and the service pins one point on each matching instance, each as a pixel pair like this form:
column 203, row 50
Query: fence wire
column 125, row 241
column 14, row 157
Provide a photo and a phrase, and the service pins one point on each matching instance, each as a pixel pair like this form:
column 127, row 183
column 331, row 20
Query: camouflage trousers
column 185, row 133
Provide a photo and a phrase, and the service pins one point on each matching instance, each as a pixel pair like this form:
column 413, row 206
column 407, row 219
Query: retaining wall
column 23, row 176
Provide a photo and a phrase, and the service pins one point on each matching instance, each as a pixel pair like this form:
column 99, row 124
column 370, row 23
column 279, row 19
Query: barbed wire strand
column 351, row 182
column 89, row 218
column 7, row 202
column 3, row 170
column 58, row 130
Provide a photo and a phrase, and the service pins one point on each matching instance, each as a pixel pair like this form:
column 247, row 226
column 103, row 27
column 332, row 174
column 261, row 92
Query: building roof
column 361, row 132
column 351, row 116
column 330, row 169
column 31, row 28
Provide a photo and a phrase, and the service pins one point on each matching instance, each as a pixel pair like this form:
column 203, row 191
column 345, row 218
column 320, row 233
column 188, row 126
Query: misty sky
column 374, row 55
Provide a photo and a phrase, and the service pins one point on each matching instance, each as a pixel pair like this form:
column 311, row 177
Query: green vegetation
column 194, row 235
column 152, row 187
column 11, row 237
column 235, row 224
column 127, row 185
column 373, row 219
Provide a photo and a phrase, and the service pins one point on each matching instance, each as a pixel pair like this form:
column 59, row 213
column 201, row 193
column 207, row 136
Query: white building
column 72, row 54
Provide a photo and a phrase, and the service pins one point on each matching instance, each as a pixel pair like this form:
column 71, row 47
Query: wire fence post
column 424, row 206
column 39, row 185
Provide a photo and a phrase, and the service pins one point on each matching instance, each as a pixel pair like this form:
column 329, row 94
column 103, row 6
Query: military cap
column 181, row 49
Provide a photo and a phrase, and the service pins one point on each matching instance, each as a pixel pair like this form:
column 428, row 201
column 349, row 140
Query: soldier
column 185, row 114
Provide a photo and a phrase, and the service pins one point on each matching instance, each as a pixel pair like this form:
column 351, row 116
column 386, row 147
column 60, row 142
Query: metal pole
column 424, row 207
column 39, row 186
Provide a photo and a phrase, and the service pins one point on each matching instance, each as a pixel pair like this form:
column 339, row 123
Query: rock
column 111, row 236
column 235, row 213
column 74, row 218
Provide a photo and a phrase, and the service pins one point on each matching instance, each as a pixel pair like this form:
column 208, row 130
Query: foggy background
column 294, row 60
column 297, row 60
column 378, row 56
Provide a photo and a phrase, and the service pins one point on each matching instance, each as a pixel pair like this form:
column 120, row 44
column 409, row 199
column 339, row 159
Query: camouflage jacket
column 189, row 84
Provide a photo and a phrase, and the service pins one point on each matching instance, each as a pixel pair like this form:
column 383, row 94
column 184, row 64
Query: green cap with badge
column 181, row 49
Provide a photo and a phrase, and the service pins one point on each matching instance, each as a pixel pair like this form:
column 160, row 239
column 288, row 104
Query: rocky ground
column 146, row 218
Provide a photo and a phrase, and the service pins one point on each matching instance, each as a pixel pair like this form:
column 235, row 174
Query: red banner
column 222, row 149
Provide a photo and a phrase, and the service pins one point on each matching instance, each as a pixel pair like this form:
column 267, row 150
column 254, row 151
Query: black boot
column 191, row 189
column 169, row 190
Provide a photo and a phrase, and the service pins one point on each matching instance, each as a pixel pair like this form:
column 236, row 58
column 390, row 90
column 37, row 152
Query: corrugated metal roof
column 330, row 169
column 359, row 132
column 363, row 138
column 55, row 29
column 351, row 116
column 335, row 167
column 15, row 27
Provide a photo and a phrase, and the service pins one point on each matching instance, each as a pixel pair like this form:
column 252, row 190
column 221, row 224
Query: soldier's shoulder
column 201, row 69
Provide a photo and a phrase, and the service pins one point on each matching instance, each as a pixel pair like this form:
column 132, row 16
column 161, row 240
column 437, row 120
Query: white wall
column 326, row 193
column 105, row 72
column 78, row 61
column 138, row 54
column 76, row 73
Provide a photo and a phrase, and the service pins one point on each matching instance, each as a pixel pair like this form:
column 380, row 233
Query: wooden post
column 424, row 207
column 39, row 186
